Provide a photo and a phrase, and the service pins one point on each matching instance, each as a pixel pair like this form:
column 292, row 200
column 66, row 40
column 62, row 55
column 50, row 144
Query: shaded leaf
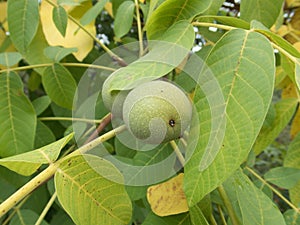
column 295, row 128
column 255, row 207
column 197, row 216
column 243, row 64
column 291, row 217
column 285, row 177
column 123, row 18
column 17, row 116
column 59, row 85
column 182, row 219
column 57, row 53
column 27, row 163
column 284, row 110
column 297, row 73
column 74, row 36
column 43, row 135
column 23, row 20
column 292, row 159
column 41, row 104
column 168, row 198
column 171, row 12
column 26, row 217
column 9, row 59
column 90, row 180
column 60, row 19
column 265, row 11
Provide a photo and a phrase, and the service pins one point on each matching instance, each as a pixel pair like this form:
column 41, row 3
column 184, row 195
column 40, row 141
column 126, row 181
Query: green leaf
column 265, row 11
column 17, row 116
column 197, row 216
column 230, row 21
column 243, row 65
column 23, row 21
column 123, row 18
column 164, row 56
column 41, row 104
column 181, row 219
column 284, row 110
column 57, row 53
column 292, row 159
column 280, row 42
column 171, row 12
column 291, row 217
column 9, row 59
column 59, row 85
column 254, row 206
column 70, row 2
column 284, row 177
column 93, row 12
column 90, row 181
column 297, row 73
column 27, row 163
column 43, row 135
column 26, row 217
column 60, row 19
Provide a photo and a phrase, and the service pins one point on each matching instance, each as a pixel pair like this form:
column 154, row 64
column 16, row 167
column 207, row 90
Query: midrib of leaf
column 21, row 217
column 184, row 219
column 10, row 112
column 88, row 194
column 24, row 21
column 45, row 156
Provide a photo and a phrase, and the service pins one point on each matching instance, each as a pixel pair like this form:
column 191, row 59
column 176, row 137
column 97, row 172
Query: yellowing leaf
column 290, row 92
column 75, row 37
column 168, row 198
column 108, row 8
column 297, row 45
column 295, row 128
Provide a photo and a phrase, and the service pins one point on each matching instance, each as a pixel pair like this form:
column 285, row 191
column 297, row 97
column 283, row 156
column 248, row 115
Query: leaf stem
column 273, row 189
column 139, row 25
column 50, row 171
column 64, row 64
column 46, row 209
column 69, row 119
column 177, row 152
column 220, row 26
column 293, row 58
column 106, row 49
column 228, row 205
column 222, row 215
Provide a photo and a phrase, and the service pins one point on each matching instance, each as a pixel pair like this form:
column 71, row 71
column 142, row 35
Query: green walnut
column 157, row 112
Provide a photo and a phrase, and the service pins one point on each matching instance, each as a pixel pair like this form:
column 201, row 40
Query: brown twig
column 106, row 120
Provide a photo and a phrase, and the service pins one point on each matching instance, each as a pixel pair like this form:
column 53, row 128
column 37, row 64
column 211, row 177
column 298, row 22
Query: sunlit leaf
column 28, row 163
column 124, row 18
column 168, row 198
column 59, row 85
column 23, row 20
column 9, row 59
column 75, row 37
column 284, row 110
column 171, row 12
column 265, row 11
column 164, row 56
column 242, row 63
column 295, row 127
column 60, row 19
column 93, row 12
column 292, row 159
column 17, row 116
column 292, row 217
column 226, row 20
column 91, row 181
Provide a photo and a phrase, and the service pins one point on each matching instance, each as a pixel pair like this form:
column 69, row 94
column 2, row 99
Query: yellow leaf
column 293, row 3
column 108, row 8
column 297, row 45
column 295, row 128
column 75, row 37
column 168, row 198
